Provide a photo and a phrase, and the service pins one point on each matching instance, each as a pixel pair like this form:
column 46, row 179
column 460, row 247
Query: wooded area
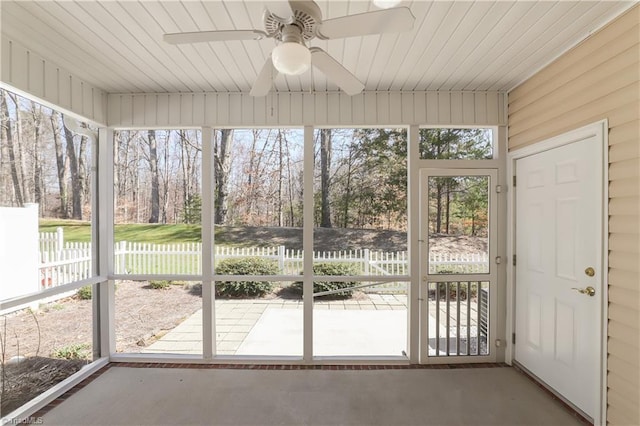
column 360, row 174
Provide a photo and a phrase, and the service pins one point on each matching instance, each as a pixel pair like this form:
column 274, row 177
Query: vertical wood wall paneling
column 5, row 60
column 87, row 100
column 235, row 109
column 210, row 108
column 138, row 108
column 76, row 94
column 582, row 86
column 346, row 110
column 260, row 109
column 481, row 108
column 321, row 111
column 382, row 109
column 150, row 105
column 303, row 108
column 186, row 109
column 308, row 104
column 433, row 109
column 126, row 113
column 297, row 114
column 444, row 108
column 113, row 111
column 175, row 107
column 222, row 109
column 30, row 74
column 333, row 108
column 395, row 108
column 51, row 82
column 64, row 88
column 36, row 75
column 198, row 109
column 370, row 108
column 457, row 113
column 284, row 109
column 19, row 66
column 163, row 109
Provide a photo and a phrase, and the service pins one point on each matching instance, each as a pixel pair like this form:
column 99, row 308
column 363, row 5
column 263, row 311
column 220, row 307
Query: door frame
column 600, row 131
column 494, row 266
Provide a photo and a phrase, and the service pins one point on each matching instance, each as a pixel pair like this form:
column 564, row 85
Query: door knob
column 589, row 291
column 590, row 271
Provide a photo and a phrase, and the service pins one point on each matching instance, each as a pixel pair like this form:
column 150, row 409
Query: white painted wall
column 18, row 251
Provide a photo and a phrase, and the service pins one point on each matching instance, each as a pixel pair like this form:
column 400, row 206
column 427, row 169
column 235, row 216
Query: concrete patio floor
column 375, row 326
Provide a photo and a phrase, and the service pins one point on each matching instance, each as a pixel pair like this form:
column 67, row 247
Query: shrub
column 159, row 284
column 84, row 293
column 331, row 268
column 245, row 266
column 74, row 351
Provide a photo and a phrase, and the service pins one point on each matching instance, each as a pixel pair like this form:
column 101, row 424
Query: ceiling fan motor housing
column 306, row 16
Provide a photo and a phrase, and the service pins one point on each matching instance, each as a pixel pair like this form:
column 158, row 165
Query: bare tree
column 4, row 110
column 222, row 164
column 76, row 180
column 325, row 167
column 155, row 179
column 61, row 163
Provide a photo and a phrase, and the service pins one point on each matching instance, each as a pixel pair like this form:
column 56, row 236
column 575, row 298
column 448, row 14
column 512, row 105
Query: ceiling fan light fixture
column 386, row 4
column 291, row 58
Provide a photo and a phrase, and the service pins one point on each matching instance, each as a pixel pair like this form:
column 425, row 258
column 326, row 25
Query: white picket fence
column 66, row 262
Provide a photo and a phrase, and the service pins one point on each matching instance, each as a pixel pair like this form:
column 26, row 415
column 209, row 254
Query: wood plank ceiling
column 454, row 45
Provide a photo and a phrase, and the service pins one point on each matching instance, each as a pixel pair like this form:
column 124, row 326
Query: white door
column 559, row 252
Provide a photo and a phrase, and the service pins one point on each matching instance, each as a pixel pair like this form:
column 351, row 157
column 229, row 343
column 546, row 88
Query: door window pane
column 458, row 224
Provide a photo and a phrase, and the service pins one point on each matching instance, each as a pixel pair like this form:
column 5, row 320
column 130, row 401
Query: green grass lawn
column 79, row 231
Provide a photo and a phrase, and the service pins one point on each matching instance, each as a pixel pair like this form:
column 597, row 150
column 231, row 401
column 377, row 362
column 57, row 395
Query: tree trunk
column 155, row 179
column 222, row 164
column 76, row 183
column 61, row 164
column 325, row 167
column 280, row 167
column 12, row 157
column 38, row 193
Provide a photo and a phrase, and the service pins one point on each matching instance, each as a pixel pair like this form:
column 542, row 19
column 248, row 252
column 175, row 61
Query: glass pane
column 258, row 201
column 360, row 209
column 458, row 224
column 43, row 345
column 158, row 317
column 45, row 197
column 458, row 322
column 259, row 318
column 157, row 190
column 456, row 144
column 370, row 321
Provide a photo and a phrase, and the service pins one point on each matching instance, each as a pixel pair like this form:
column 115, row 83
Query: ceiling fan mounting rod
column 291, row 33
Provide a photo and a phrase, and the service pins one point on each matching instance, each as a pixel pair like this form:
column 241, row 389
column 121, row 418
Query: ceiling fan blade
column 265, row 78
column 380, row 21
column 208, row 36
column 335, row 72
column 280, row 8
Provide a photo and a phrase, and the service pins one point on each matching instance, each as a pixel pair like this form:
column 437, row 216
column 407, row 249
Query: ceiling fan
column 293, row 24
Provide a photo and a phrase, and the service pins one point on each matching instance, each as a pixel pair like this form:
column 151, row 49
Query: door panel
column 558, row 235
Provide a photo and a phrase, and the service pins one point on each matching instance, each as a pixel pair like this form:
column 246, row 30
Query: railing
column 460, row 315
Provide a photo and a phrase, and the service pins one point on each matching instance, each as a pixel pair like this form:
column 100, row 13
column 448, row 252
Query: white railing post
column 281, row 251
column 366, row 261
